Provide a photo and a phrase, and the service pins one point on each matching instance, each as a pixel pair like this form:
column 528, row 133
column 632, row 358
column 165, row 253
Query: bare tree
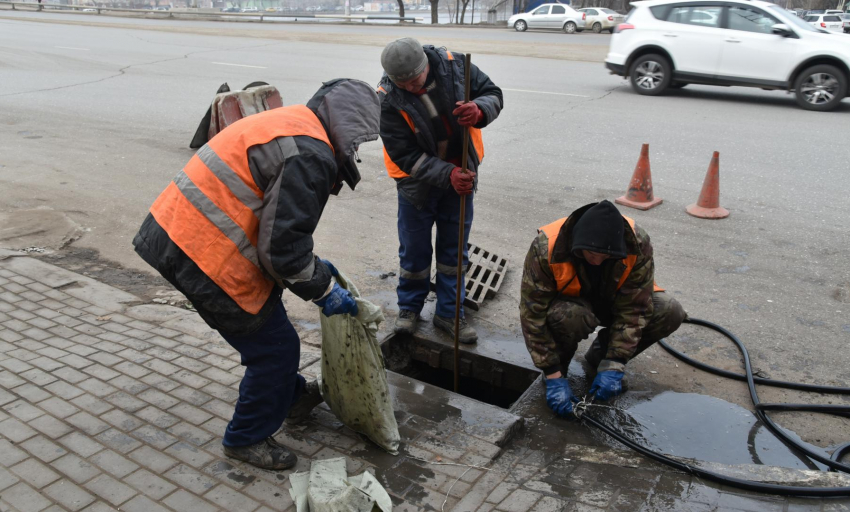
column 400, row 8
column 463, row 11
column 435, row 12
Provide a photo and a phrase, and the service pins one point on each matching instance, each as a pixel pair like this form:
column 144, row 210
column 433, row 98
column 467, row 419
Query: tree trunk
column 463, row 11
column 435, row 12
column 401, row 8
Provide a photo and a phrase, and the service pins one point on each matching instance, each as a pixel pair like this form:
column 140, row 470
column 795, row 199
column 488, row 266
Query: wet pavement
column 107, row 403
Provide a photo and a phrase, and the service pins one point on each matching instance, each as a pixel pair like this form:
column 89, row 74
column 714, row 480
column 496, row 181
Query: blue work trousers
column 271, row 383
column 415, row 250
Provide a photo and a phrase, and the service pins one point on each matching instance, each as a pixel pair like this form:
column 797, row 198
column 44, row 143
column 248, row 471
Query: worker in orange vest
column 593, row 268
column 423, row 121
column 235, row 227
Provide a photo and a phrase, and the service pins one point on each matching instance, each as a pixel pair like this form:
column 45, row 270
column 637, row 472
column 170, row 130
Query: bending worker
column 235, row 228
column 422, row 121
column 592, row 268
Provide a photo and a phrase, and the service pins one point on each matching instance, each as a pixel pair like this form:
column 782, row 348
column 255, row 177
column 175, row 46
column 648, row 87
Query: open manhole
column 481, row 378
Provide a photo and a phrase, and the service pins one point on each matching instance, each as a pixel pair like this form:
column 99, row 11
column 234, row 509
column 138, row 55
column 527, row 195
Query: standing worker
column 592, row 268
column 235, row 228
column 422, row 119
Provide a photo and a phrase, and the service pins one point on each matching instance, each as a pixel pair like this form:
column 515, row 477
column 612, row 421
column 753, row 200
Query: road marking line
column 546, row 92
column 71, row 48
column 239, row 65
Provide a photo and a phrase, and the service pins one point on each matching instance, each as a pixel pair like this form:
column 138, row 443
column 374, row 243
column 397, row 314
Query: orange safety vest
column 474, row 133
column 565, row 274
column 212, row 208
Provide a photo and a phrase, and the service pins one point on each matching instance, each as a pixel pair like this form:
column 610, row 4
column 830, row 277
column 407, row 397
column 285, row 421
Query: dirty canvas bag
column 353, row 379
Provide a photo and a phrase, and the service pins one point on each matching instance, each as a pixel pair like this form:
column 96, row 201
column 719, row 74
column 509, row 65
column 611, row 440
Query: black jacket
column 415, row 153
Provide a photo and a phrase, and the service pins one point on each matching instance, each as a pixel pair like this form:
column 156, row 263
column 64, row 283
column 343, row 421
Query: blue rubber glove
column 559, row 396
column 607, row 385
column 331, row 267
column 339, row 301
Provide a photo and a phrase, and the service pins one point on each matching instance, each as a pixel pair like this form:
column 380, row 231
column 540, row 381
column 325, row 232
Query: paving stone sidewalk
column 107, row 404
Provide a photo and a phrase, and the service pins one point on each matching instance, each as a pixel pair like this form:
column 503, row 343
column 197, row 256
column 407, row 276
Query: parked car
column 665, row 44
column 600, row 18
column 358, row 8
column 230, row 9
column 549, row 16
column 89, row 9
column 828, row 22
column 250, row 9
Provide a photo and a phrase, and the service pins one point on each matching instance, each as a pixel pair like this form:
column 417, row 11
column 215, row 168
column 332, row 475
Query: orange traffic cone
column 639, row 195
column 708, row 204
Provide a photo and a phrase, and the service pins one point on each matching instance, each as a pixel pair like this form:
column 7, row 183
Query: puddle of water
column 704, row 428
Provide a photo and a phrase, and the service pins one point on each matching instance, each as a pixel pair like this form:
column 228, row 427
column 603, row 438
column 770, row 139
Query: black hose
column 760, row 410
column 840, row 452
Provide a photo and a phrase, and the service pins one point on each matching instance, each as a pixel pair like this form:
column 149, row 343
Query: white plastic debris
column 327, row 488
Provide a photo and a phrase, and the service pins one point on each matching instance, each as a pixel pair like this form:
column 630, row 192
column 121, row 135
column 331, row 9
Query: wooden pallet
column 484, row 276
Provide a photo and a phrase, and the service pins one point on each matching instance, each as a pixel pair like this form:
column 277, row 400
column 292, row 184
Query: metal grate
column 484, row 276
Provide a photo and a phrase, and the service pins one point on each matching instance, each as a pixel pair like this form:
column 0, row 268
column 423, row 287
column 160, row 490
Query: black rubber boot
column 596, row 353
column 309, row 399
column 467, row 334
column 267, row 454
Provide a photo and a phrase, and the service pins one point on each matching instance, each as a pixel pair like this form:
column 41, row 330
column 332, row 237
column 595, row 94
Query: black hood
column 600, row 229
column 351, row 115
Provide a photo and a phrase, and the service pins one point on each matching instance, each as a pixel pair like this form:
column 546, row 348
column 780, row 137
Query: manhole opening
column 481, row 378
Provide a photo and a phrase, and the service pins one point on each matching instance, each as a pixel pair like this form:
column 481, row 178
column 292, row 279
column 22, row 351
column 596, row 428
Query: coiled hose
column 761, row 412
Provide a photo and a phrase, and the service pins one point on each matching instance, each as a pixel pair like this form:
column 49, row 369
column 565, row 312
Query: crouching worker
column 235, row 228
column 593, row 268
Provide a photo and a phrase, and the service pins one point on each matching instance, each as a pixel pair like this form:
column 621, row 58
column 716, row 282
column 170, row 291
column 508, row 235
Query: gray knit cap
column 403, row 59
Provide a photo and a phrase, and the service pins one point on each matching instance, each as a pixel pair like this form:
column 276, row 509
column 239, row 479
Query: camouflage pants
column 572, row 320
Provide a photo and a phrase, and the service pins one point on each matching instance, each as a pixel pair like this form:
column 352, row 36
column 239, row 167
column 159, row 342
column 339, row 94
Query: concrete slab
column 454, row 412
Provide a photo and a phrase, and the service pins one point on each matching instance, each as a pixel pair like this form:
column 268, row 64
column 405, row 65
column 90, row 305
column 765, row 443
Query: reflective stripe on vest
column 212, row 208
column 565, row 275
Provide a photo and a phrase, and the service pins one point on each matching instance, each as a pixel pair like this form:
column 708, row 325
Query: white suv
column 828, row 22
column 667, row 44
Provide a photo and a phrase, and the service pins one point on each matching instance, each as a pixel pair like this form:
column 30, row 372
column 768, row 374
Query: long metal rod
column 467, row 63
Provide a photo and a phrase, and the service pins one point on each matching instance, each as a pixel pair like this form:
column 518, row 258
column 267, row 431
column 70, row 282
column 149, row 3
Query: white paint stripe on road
column 547, row 92
column 71, row 48
column 239, row 65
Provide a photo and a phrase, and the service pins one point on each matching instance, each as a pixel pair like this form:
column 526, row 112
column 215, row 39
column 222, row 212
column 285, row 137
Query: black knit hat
column 600, row 229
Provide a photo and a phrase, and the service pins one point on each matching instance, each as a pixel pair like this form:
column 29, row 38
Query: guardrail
column 32, row 6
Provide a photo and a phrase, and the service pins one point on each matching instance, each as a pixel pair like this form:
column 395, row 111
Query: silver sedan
column 549, row 16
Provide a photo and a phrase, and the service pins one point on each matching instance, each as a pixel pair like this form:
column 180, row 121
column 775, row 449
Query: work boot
column 467, row 333
column 406, row 321
column 309, row 399
column 267, row 454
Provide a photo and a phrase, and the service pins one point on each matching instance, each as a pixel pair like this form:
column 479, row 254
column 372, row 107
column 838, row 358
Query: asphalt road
column 96, row 120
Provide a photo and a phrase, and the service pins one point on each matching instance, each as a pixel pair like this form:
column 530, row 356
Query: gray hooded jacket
column 297, row 175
